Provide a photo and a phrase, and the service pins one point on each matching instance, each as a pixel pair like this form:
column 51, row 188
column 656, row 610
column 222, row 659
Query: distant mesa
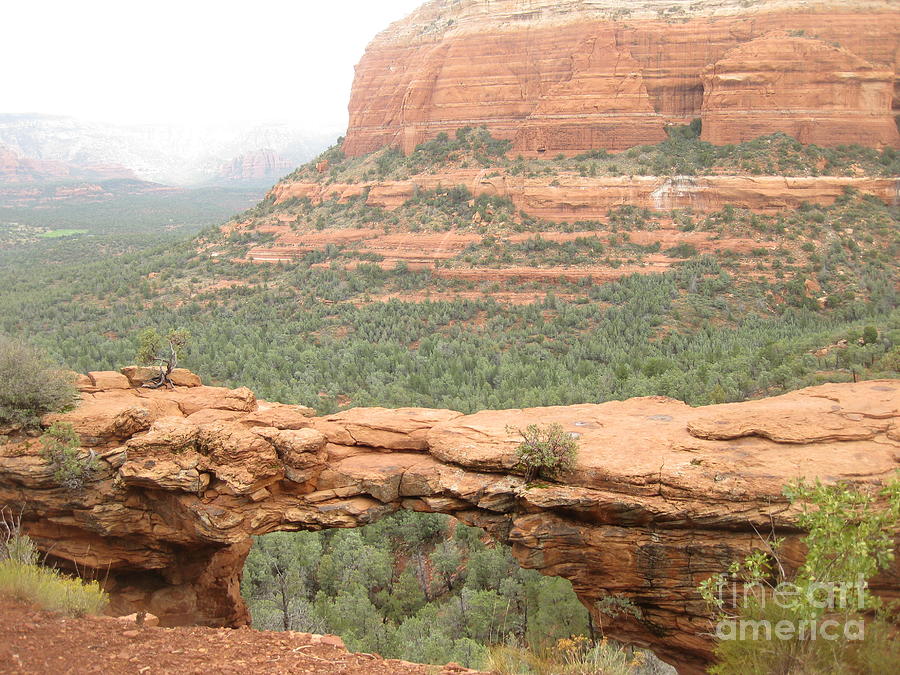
column 256, row 165
column 160, row 153
column 565, row 77
column 15, row 168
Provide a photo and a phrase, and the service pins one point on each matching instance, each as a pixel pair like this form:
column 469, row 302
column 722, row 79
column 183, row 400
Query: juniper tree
column 162, row 351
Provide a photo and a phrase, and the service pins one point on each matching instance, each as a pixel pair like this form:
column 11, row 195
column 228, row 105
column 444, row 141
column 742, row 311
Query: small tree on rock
column 162, row 351
column 61, row 449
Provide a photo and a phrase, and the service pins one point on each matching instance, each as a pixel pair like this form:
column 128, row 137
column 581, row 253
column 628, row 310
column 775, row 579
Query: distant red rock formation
column 574, row 75
column 255, row 165
column 17, row 169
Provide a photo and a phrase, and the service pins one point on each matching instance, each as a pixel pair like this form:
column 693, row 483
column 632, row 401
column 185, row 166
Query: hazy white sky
column 188, row 60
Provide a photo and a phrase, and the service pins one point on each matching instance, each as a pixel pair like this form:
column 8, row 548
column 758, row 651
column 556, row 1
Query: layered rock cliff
column 256, row 165
column 571, row 197
column 663, row 495
column 815, row 91
column 581, row 74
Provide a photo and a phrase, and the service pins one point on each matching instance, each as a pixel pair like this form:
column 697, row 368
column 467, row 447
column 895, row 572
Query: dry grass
column 23, row 579
column 576, row 656
column 48, row 589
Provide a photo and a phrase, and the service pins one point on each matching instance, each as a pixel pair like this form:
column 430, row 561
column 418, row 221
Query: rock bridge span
column 663, row 495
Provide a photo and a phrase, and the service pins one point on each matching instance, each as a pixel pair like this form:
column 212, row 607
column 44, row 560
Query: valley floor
column 38, row 642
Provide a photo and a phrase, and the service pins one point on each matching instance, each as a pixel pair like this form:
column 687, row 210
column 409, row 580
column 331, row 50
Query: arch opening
column 421, row 587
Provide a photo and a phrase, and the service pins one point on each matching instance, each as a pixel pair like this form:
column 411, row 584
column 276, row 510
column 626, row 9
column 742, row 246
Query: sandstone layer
column 436, row 252
column 572, row 197
column 580, row 74
column 663, row 495
column 768, row 85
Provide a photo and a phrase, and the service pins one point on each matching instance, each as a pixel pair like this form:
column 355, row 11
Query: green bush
column 682, row 250
column 14, row 545
column 570, row 656
column 29, row 385
column 546, row 451
column 851, row 537
column 870, row 335
column 62, row 450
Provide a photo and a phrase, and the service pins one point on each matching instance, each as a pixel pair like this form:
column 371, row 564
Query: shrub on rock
column 61, row 448
column 546, row 451
column 30, row 386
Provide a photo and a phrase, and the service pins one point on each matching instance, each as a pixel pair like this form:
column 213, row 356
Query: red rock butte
column 573, row 75
column 663, row 495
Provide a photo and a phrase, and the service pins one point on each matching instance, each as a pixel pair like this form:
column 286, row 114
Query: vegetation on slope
column 816, row 300
column 683, row 153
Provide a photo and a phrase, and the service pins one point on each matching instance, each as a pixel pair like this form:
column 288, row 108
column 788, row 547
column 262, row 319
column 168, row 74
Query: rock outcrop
column 572, row 197
column 769, row 84
column 580, row 74
column 663, row 495
column 256, row 165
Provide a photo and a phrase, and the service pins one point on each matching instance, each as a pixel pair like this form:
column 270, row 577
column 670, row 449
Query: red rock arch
column 663, row 495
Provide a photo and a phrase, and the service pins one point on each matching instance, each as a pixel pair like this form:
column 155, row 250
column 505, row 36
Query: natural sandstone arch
column 663, row 494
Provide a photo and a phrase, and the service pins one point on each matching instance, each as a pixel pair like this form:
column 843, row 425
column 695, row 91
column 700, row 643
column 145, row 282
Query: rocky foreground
column 32, row 641
column 663, row 495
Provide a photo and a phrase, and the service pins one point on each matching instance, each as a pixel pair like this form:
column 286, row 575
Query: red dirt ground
column 38, row 642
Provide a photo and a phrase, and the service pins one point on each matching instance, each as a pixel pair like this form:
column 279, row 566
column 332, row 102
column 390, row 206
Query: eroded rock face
column 663, row 495
column 572, row 197
column 815, row 91
column 580, row 74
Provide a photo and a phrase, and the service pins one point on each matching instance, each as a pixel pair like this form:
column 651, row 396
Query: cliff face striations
column 570, row 76
column 767, row 85
column 663, row 495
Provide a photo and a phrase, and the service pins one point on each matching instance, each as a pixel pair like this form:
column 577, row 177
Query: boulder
column 389, row 429
column 180, row 377
column 109, row 379
column 299, row 449
column 138, row 375
column 279, row 416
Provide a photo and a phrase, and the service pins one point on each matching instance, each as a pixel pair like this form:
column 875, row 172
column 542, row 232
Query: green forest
column 415, row 586
column 293, row 333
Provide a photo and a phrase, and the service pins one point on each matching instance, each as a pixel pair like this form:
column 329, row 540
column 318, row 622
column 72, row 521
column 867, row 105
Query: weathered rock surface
column 815, row 91
column 663, row 495
column 603, row 104
column 580, row 74
column 573, row 197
